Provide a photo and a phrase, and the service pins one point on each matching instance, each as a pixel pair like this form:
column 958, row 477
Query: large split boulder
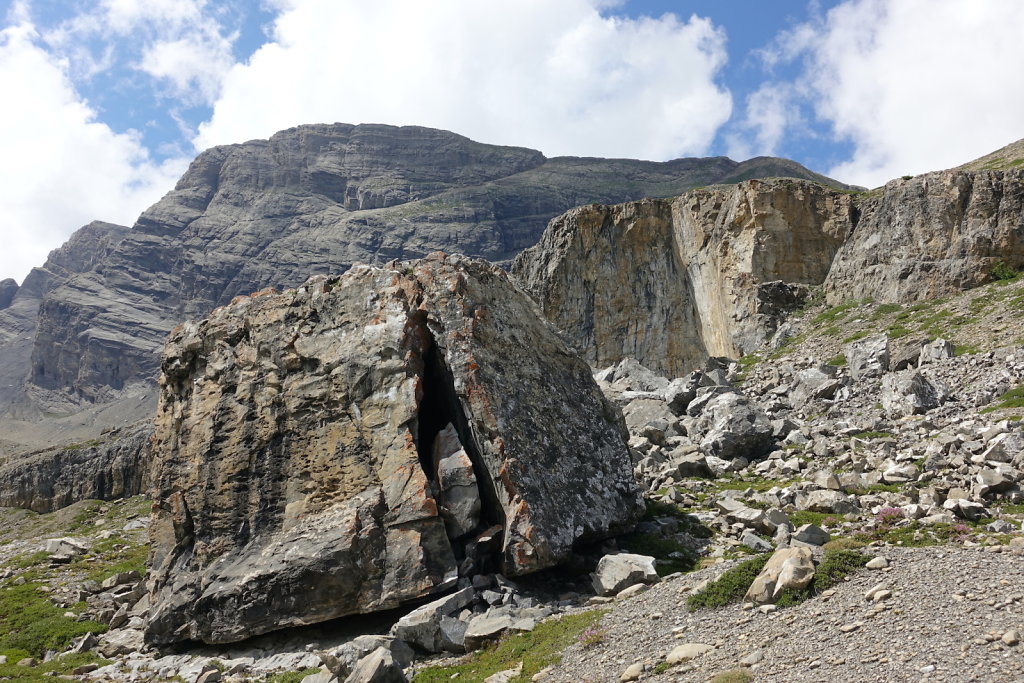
column 295, row 471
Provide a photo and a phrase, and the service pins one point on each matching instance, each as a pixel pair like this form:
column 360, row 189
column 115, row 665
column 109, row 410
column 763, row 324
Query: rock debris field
column 952, row 616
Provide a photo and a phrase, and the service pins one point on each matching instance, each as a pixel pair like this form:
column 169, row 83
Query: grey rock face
column 910, row 393
column 116, row 467
column 868, row 357
column 734, row 427
column 930, row 236
column 671, row 283
column 293, row 477
column 422, row 626
column 83, row 251
column 8, row 288
column 377, row 667
column 819, row 382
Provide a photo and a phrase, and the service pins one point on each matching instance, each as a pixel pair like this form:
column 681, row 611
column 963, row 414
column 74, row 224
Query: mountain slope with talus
column 270, row 213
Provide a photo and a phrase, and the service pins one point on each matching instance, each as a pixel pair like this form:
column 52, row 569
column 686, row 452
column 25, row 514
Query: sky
column 105, row 102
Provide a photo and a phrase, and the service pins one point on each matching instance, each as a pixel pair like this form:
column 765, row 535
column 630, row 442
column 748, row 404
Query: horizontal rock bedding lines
column 289, row 486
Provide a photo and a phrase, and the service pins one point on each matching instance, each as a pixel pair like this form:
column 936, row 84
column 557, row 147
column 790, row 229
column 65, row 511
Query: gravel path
column 950, row 607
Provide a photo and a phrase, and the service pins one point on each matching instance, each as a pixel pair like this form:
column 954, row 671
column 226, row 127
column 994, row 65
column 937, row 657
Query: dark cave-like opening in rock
column 439, row 407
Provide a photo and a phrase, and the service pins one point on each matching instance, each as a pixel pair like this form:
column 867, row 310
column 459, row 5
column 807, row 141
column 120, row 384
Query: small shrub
column 889, row 516
column 897, row 331
column 843, row 543
column 886, row 309
column 1003, row 271
column 835, row 566
column 672, row 555
column 661, row 667
column 731, row 586
column 733, row 676
column 872, row 435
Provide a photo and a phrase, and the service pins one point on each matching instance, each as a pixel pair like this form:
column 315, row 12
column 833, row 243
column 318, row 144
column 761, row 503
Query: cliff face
column 670, row 283
column 931, row 235
column 314, row 200
column 710, row 273
column 300, row 438
column 19, row 319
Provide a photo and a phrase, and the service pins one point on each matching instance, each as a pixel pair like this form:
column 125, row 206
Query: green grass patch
column 536, row 649
column 1002, row 271
column 839, row 360
column 30, row 622
column 872, row 435
column 1014, row 398
column 29, row 560
column 835, row 314
column 966, row 349
column 896, row 331
column 45, row 671
column 731, row 586
column 885, row 309
column 801, row 517
column 130, row 559
column 843, row 543
column 292, row 676
column 856, row 336
column 836, row 565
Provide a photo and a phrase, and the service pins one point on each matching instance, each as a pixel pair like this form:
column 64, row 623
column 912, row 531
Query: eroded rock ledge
column 298, row 439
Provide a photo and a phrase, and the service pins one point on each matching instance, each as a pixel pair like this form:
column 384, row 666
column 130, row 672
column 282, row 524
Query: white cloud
column 194, row 65
column 770, row 113
column 63, row 167
column 180, row 43
column 916, row 85
column 559, row 77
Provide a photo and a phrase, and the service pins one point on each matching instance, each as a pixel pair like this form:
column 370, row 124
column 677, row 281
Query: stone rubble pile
column 885, row 440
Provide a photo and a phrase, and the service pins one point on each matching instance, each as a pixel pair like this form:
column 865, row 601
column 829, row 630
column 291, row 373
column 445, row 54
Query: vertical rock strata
column 294, row 472
column 670, row 283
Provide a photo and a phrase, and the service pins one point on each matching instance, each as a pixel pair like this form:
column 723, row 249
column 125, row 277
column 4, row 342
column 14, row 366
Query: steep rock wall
column 670, row 283
column 930, row 236
column 293, row 477
column 116, row 467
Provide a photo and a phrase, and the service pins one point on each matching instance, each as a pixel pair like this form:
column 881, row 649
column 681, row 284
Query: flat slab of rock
column 615, row 573
column 292, row 454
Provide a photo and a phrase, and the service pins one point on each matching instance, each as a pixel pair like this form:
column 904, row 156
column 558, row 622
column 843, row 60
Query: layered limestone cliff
column 314, row 200
column 712, row 273
column 313, row 449
column 931, row 236
column 115, row 466
column 671, row 283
